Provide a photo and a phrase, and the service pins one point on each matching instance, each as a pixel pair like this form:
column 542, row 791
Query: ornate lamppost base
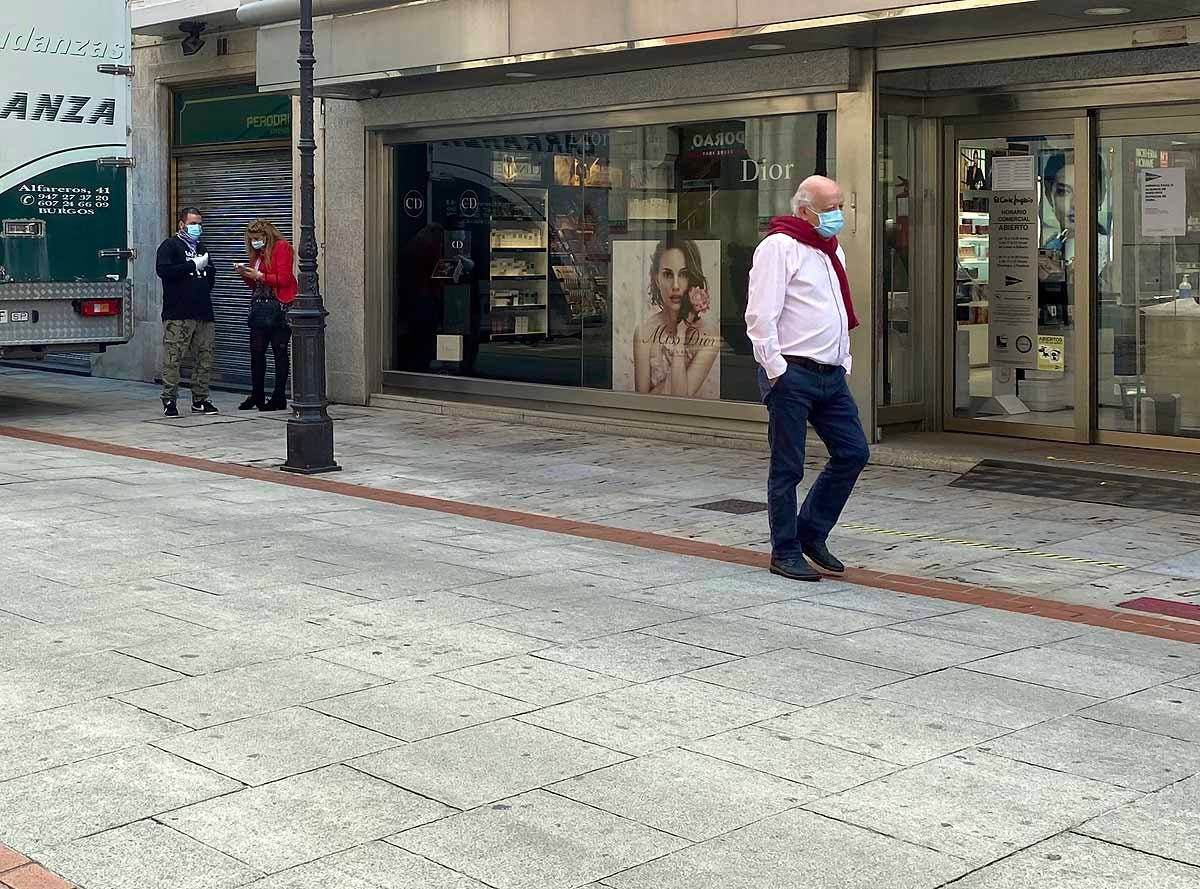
column 310, row 447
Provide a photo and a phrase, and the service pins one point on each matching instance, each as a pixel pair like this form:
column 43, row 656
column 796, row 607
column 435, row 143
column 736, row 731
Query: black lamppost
column 309, row 430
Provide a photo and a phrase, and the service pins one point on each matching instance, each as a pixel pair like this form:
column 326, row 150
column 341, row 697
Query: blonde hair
column 269, row 233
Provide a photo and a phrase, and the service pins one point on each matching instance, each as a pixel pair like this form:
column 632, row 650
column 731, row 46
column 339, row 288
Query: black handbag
column 266, row 312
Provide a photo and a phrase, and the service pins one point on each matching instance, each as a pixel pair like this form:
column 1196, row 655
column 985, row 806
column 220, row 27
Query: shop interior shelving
column 518, row 266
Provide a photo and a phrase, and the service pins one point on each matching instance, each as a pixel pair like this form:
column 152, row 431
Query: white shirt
column 795, row 306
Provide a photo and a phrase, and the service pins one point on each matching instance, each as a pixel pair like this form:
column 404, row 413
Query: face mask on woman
column 258, row 243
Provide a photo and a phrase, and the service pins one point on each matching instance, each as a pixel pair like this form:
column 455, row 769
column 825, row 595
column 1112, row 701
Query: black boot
column 277, row 403
column 254, row 401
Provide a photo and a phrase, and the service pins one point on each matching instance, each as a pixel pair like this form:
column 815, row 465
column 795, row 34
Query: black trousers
column 278, row 339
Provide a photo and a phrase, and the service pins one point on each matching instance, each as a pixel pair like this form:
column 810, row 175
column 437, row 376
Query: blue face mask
column 194, row 230
column 830, row 222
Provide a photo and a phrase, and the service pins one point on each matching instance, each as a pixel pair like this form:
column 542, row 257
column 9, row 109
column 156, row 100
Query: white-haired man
column 799, row 317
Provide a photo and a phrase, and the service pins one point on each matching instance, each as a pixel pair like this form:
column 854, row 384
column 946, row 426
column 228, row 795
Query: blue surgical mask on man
column 193, row 230
column 830, row 222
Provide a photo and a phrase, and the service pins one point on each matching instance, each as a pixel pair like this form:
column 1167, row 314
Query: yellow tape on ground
column 1123, row 466
column 978, row 544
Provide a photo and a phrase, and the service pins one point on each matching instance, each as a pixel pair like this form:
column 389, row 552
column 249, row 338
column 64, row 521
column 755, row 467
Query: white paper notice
column 1013, row 285
column 1164, row 202
column 1016, row 173
column 449, row 348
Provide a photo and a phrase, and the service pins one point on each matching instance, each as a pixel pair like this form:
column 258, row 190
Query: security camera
column 193, row 43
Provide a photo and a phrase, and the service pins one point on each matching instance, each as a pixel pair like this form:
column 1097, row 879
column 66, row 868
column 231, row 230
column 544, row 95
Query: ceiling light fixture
column 1107, row 10
column 518, row 75
column 766, row 47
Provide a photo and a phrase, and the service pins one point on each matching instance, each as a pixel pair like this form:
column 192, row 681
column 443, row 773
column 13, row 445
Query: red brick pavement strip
column 18, row 872
column 933, row 589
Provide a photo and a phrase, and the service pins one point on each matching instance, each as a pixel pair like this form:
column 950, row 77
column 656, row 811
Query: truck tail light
column 93, row 307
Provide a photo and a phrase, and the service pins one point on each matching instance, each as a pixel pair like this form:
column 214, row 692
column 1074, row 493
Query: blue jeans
column 799, row 397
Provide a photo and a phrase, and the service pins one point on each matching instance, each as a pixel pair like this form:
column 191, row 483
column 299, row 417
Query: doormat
column 734, row 507
column 1163, row 606
column 1083, row 486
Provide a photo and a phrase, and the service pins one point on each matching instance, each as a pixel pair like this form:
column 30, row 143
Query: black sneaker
column 169, row 408
column 204, row 407
column 826, row 562
column 794, row 569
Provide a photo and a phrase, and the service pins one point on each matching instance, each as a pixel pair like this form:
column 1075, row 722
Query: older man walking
column 799, row 317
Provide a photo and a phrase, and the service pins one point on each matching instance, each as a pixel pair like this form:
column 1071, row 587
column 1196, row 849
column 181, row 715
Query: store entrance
column 1018, row 255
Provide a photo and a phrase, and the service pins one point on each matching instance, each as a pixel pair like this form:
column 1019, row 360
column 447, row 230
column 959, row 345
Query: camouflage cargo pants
column 180, row 338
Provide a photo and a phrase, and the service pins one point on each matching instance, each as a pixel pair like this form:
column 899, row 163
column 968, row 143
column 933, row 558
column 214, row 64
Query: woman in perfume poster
column 677, row 344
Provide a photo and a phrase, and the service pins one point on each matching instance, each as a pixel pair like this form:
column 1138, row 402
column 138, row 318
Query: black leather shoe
column 794, row 569
column 275, row 404
column 826, row 562
column 250, row 403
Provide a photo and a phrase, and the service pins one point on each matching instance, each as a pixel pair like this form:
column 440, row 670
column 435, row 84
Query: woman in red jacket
column 269, row 274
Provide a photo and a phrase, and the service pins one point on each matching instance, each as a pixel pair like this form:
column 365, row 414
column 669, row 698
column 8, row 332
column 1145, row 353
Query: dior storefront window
column 586, row 258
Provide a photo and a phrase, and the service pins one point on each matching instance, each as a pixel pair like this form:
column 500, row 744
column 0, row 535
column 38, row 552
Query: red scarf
column 804, row 232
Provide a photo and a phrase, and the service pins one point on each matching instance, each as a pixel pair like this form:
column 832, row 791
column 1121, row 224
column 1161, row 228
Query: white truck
column 65, row 90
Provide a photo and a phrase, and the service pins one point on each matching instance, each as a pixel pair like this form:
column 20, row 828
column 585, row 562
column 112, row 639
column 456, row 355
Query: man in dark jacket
column 187, row 313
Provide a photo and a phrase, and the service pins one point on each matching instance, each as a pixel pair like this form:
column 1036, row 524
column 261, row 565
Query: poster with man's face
column 666, row 309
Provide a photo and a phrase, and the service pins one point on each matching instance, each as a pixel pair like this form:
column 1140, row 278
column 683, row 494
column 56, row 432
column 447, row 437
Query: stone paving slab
column 796, row 849
column 421, row 708
column 303, row 818
column 46, row 684
column 735, row 634
column 377, row 865
column 481, row 765
column 262, row 749
column 637, row 657
column 1166, row 710
column 892, row 649
column 1114, row 754
column 1068, row 861
column 1072, row 671
column 538, row 841
column 774, row 675
column 686, row 794
column 640, row 719
column 886, row 730
column 600, row 616
column 75, row 800
column 991, row 699
column 34, row 742
column 146, row 854
column 404, row 615
column 209, row 700
column 535, row 680
column 433, row 651
column 1161, row 823
column 200, row 652
column 771, row 748
column 973, row 806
